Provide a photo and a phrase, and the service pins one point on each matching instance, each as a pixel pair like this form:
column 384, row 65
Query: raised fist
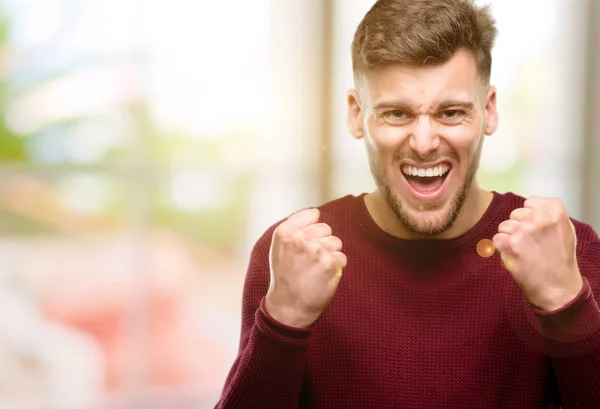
column 537, row 245
column 306, row 266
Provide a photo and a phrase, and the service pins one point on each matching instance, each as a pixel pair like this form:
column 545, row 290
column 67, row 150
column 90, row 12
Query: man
column 382, row 300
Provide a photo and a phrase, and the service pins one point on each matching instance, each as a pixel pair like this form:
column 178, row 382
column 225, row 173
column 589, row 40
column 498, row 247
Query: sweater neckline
column 370, row 227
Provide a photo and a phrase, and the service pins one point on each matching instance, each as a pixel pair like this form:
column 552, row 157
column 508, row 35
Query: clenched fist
column 306, row 265
column 537, row 245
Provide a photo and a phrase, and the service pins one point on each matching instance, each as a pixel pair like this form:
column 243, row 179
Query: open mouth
column 426, row 182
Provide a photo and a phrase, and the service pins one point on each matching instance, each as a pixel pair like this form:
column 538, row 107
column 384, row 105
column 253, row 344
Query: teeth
column 425, row 172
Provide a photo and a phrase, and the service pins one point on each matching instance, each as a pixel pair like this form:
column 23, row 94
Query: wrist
column 556, row 300
column 287, row 316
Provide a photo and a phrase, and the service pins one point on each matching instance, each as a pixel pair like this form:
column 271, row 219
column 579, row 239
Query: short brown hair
column 424, row 32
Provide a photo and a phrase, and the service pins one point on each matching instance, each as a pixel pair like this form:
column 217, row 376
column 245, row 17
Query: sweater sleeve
column 269, row 367
column 573, row 338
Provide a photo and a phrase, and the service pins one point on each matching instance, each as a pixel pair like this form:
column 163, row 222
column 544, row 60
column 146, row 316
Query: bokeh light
column 486, row 248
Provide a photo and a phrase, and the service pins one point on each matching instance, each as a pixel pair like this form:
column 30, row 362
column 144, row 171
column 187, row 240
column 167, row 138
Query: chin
column 428, row 222
column 426, row 218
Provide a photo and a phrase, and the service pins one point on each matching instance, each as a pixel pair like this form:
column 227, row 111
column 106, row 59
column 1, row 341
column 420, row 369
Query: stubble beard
column 416, row 222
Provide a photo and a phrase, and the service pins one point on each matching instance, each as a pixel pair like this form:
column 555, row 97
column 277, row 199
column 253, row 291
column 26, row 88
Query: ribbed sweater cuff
column 576, row 325
column 279, row 332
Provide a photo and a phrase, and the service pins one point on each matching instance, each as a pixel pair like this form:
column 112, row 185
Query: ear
column 491, row 112
column 354, row 120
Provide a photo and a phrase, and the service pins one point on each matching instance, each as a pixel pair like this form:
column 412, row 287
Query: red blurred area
column 158, row 318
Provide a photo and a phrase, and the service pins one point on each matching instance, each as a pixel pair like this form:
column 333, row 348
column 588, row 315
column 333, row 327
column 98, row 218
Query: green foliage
column 12, row 146
column 509, row 181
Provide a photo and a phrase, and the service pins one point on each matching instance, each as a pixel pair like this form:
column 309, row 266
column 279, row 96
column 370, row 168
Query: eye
column 395, row 117
column 452, row 114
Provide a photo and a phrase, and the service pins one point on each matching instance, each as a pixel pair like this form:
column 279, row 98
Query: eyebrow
column 467, row 106
column 402, row 106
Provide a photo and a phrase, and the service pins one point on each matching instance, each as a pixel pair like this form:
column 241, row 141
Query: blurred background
column 145, row 145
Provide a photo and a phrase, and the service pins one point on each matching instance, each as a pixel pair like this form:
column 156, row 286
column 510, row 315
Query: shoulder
column 337, row 213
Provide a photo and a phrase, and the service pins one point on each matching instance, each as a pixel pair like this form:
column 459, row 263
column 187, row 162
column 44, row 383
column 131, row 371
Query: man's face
column 423, row 130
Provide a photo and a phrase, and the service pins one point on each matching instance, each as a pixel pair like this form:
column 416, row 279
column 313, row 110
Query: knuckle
column 326, row 229
column 514, row 241
column 507, row 225
column 282, row 232
column 537, row 216
column 334, row 241
column 499, row 241
column 313, row 247
column 296, row 239
column 327, row 260
column 278, row 232
column 343, row 260
column 559, row 209
column 527, row 228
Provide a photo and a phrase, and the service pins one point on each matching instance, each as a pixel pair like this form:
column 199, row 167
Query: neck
column 473, row 208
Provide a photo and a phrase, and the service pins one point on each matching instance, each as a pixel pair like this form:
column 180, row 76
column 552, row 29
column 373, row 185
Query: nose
column 424, row 139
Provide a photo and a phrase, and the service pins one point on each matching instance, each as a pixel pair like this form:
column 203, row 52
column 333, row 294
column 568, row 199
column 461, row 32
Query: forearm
column 573, row 343
column 268, row 371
